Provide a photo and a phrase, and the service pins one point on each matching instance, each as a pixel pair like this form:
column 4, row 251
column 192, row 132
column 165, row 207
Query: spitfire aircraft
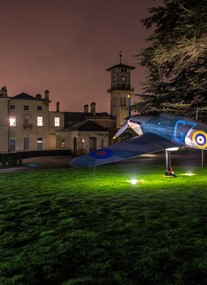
column 154, row 133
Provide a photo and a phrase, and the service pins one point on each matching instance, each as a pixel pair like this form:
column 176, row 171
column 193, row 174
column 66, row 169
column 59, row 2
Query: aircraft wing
column 146, row 143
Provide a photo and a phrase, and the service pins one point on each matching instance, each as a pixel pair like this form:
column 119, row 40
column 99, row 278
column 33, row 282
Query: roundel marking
column 200, row 139
column 102, row 153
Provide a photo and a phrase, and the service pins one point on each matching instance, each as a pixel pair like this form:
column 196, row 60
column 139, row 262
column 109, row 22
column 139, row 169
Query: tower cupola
column 120, row 90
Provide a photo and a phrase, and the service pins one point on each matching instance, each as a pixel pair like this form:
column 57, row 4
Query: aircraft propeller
column 129, row 123
column 121, row 130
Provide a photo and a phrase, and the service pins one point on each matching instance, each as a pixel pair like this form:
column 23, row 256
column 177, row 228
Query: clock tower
column 120, row 91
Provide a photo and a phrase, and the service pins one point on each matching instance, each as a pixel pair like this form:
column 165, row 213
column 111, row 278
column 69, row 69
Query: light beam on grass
column 188, row 174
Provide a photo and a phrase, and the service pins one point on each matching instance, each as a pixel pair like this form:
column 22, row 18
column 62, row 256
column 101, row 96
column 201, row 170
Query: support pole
column 202, row 153
column 167, row 162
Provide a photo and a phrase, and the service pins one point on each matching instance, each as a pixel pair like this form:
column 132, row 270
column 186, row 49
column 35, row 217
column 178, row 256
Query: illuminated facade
column 26, row 123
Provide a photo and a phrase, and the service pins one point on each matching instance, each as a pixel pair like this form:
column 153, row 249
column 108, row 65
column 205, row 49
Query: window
column 27, row 120
column 39, row 108
column 62, row 143
column 12, row 144
column 39, row 121
column 12, row 107
column 26, row 107
column 57, row 121
column 12, row 121
column 39, row 143
column 26, row 144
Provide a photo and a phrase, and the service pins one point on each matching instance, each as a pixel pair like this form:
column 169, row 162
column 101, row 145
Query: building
column 86, row 131
column 27, row 124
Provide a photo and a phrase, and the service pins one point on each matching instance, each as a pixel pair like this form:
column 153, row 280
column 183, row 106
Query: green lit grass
column 77, row 226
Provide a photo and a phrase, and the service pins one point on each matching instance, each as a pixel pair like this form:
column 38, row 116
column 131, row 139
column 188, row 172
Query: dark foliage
column 176, row 59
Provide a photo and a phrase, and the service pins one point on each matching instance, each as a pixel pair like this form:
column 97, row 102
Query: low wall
column 15, row 158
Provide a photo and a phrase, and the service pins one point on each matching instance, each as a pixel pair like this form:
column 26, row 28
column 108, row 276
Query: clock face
column 123, row 78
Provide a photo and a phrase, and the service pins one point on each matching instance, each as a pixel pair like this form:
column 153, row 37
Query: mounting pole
column 129, row 104
column 167, row 162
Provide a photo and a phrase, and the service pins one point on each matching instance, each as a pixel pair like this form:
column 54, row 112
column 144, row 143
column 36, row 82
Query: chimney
column 93, row 108
column 85, row 108
column 57, row 107
column 47, row 95
column 38, row 96
column 3, row 91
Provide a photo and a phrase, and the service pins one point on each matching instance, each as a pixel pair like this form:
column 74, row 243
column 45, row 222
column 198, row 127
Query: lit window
column 57, row 121
column 40, row 121
column 12, row 121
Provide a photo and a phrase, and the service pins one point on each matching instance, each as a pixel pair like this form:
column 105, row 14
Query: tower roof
column 122, row 67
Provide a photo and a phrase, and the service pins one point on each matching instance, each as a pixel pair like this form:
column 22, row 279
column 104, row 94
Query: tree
column 176, row 58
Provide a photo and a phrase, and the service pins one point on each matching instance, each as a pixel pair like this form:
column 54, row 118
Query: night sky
column 66, row 46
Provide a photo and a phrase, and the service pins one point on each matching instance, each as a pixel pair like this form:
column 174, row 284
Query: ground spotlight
column 134, row 181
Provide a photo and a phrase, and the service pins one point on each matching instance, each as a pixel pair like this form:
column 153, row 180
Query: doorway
column 93, row 143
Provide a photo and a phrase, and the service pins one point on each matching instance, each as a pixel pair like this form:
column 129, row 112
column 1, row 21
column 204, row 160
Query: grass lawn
column 76, row 226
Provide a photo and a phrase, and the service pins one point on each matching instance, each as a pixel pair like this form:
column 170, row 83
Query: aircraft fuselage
column 182, row 130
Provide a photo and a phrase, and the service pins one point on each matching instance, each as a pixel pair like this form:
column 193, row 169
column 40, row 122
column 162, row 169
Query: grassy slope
column 72, row 227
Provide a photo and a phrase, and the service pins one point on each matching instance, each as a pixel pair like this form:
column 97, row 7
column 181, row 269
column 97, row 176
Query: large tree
column 176, row 58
